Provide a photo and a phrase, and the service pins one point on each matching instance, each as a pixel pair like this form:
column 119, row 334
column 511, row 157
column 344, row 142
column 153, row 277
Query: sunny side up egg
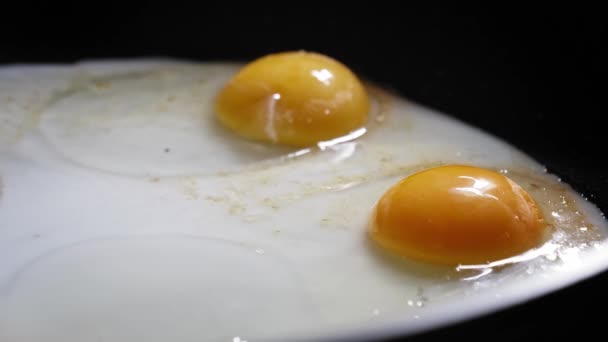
column 223, row 202
column 450, row 215
column 458, row 215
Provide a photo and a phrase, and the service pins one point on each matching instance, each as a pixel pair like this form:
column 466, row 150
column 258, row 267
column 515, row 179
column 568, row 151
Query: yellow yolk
column 457, row 215
column 293, row 98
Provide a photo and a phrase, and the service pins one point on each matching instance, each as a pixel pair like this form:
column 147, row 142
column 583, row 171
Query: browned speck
column 269, row 203
column 171, row 98
column 155, row 179
column 9, row 99
column 102, row 85
column 250, row 218
column 236, row 209
column 189, row 188
column 215, row 199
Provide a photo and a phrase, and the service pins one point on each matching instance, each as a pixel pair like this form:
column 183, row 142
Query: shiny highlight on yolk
column 457, row 215
column 293, row 98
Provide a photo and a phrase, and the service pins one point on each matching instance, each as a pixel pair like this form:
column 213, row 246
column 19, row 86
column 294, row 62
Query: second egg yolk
column 293, row 98
column 457, row 215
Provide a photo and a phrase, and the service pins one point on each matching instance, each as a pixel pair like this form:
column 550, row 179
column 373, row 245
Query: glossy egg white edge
column 152, row 189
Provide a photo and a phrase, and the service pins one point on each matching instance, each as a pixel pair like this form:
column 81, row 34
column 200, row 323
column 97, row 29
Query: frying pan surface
column 535, row 78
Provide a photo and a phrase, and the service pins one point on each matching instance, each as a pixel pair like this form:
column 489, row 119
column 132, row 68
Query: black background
column 535, row 77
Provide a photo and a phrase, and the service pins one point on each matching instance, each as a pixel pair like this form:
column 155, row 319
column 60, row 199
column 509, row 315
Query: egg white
column 128, row 213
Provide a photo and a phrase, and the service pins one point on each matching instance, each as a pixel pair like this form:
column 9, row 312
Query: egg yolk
column 457, row 215
column 293, row 98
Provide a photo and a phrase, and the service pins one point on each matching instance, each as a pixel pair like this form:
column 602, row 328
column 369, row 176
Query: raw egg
column 457, row 215
column 293, row 98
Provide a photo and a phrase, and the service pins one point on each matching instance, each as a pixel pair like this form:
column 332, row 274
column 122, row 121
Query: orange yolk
column 293, row 98
column 457, row 215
